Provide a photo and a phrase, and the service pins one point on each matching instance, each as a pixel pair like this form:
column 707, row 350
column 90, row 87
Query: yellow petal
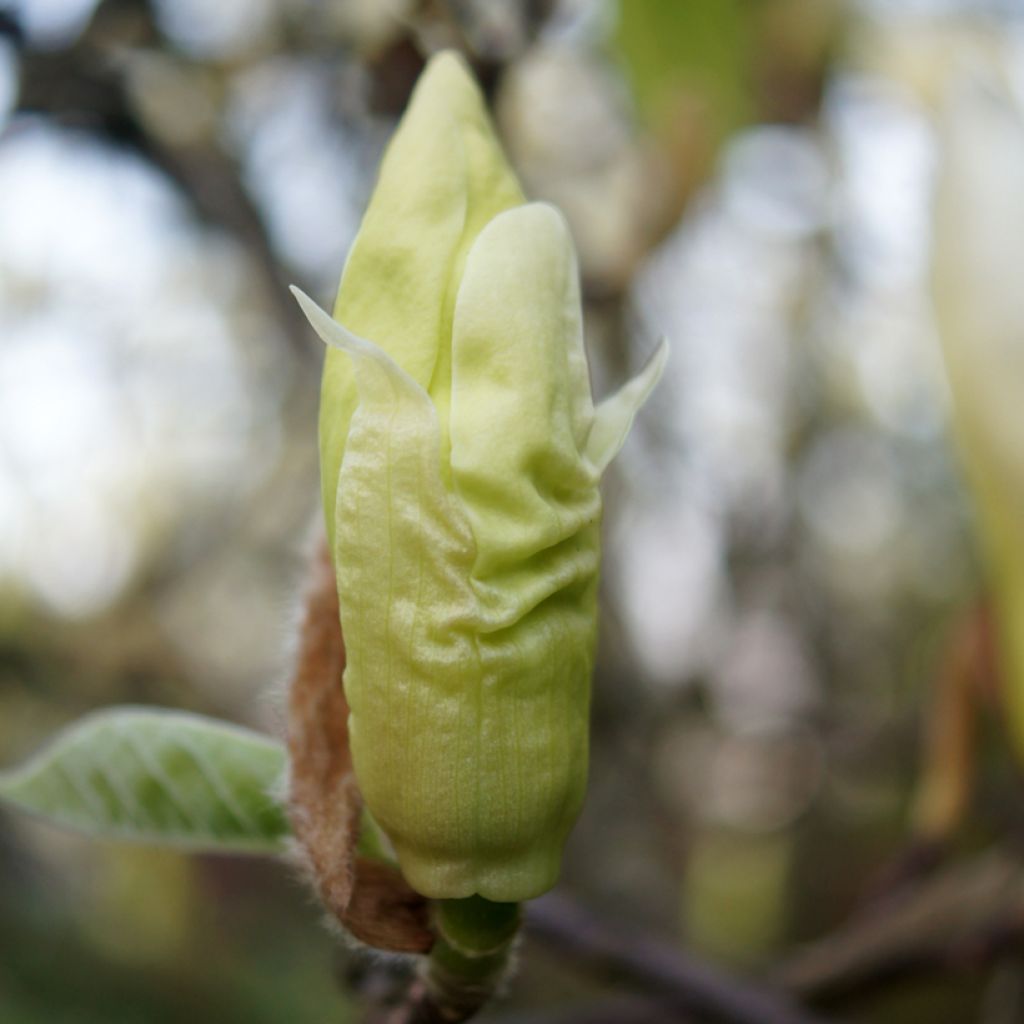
column 442, row 178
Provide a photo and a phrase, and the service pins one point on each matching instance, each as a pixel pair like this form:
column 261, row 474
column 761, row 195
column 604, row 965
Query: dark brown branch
column 961, row 921
column 616, row 1010
column 667, row 974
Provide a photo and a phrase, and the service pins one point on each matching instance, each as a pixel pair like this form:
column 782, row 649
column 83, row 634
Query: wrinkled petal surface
column 461, row 455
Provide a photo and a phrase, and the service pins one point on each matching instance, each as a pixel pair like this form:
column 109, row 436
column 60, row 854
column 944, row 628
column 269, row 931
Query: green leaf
column 158, row 777
column 691, row 51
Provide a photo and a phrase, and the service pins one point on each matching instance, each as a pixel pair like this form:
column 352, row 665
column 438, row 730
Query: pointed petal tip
column 448, row 64
column 448, row 81
column 336, row 335
column 657, row 361
column 305, row 302
column 614, row 416
column 300, row 297
column 328, row 329
column 448, row 57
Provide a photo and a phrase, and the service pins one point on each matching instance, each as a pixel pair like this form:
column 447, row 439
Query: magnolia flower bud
column 460, row 457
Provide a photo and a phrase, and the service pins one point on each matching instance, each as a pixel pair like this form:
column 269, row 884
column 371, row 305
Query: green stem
column 471, row 957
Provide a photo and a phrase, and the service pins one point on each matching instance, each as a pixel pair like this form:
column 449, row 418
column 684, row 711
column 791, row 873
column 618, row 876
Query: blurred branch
column 86, row 86
column 616, row 1010
column 669, row 976
column 961, row 920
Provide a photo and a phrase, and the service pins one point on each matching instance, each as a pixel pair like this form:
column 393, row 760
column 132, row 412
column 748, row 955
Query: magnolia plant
column 437, row 757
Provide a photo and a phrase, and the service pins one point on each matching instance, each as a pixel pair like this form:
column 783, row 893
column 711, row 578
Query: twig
column 961, row 920
column 667, row 974
column 615, row 1010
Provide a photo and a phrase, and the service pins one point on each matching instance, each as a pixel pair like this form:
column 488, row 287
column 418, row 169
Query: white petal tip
column 364, row 352
column 329, row 330
column 615, row 415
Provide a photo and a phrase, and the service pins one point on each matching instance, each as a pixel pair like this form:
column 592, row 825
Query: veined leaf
column 158, row 777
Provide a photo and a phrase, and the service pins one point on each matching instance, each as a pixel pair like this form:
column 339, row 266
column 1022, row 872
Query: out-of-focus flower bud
column 979, row 248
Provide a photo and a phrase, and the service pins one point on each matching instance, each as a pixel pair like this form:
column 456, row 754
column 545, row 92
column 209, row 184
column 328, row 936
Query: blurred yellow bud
column 979, row 250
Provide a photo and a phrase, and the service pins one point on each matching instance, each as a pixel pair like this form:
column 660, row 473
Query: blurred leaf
column 680, row 53
column 160, row 777
column 734, row 893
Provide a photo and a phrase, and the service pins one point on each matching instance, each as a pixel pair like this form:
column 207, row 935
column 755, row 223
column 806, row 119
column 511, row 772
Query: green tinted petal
column 461, row 495
column 521, row 411
column 492, row 189
column 614, row 416
column 412, row 679
column 442, row 178
column 469, row 704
